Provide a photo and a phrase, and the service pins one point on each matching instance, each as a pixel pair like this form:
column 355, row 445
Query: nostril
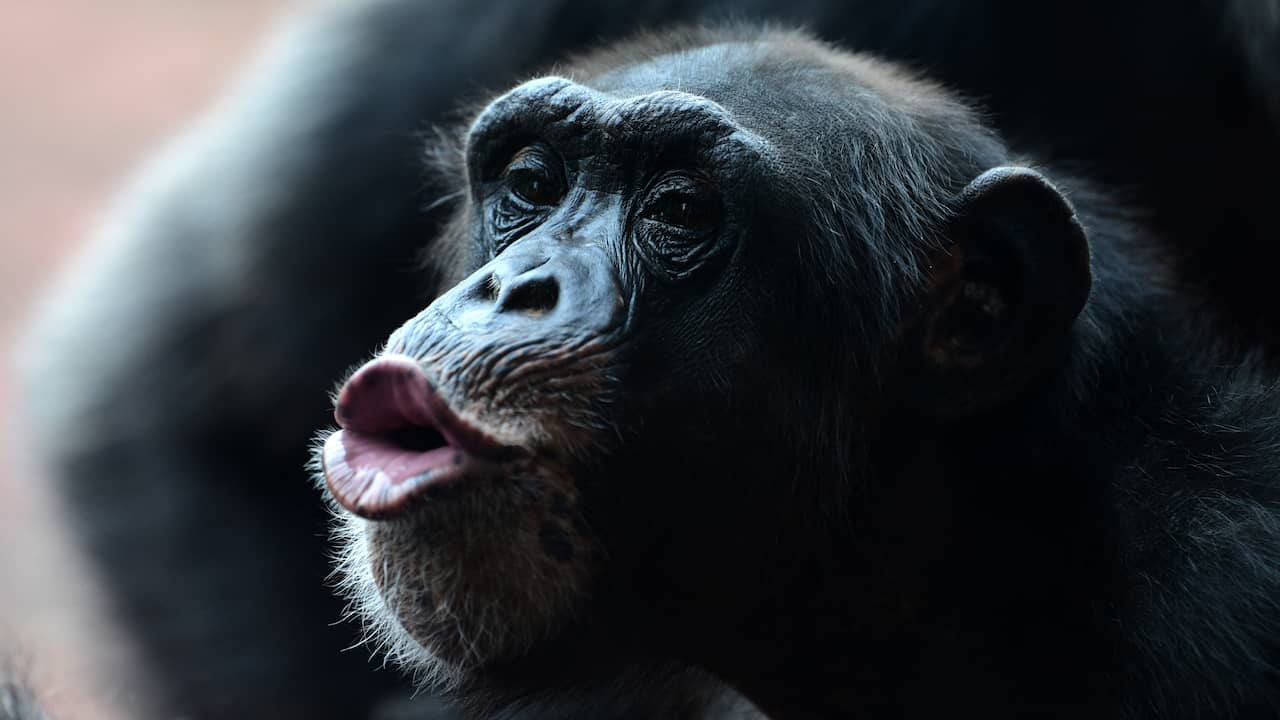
column 538, row 294
column 490, row 288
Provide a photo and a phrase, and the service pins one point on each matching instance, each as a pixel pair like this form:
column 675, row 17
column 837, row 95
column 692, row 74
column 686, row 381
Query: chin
column 476, row 571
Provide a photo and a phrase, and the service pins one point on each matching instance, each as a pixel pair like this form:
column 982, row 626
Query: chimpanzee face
column 679, row 298
column 604, row 307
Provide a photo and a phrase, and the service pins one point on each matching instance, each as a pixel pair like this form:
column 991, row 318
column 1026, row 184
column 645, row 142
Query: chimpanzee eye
column 685, row 202
column 534, row 176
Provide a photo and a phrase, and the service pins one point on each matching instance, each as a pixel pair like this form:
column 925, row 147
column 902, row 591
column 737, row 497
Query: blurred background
column 87, row 88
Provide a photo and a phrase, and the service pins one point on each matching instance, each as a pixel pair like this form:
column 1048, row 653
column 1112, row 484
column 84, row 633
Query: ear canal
column 1020, row 207
column 1004, row 298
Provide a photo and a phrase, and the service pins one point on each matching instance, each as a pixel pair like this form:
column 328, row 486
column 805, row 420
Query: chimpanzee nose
column 533, row 292
column 537, row 288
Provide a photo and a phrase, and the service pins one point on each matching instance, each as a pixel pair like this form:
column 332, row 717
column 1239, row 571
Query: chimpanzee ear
column 1006, row 293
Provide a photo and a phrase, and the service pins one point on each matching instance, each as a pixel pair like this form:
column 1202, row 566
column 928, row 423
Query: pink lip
column 398, row 439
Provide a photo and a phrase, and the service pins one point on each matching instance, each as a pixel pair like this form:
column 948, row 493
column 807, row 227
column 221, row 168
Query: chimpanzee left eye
column 532, row 177
column 684, row 202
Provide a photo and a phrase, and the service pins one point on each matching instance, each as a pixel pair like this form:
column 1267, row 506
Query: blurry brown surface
column 87, row 88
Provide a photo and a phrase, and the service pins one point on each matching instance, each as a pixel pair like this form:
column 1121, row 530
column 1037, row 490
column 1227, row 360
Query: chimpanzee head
column 693, row 276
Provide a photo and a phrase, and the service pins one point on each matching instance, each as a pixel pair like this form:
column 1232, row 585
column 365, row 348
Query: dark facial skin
column 769, row 361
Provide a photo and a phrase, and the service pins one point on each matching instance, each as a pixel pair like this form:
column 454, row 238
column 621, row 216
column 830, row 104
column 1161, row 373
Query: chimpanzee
column 173, row 383
column 772, row 362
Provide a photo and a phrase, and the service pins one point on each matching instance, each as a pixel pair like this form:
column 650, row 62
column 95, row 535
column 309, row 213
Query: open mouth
column 398, row 440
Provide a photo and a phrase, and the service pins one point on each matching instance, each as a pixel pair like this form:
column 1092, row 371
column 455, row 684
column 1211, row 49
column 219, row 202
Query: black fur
column 917, row 448
column 182, row 367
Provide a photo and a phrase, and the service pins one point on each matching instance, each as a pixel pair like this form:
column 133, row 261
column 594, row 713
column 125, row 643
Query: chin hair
column 480, row 576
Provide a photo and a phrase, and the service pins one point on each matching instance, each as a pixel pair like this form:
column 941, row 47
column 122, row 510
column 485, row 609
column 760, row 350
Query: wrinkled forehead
column 559, row 109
